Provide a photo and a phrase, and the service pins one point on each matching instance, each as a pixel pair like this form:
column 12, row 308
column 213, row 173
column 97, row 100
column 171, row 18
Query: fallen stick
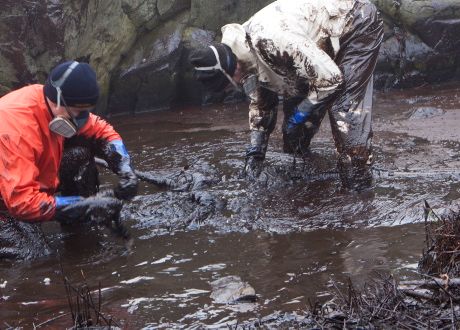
column 415, row 173
column 417, row 294
column 157, row 180
column 433, row 283
column 49, row 321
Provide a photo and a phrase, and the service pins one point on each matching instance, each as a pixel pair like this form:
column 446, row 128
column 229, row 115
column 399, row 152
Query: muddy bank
column 416, row 158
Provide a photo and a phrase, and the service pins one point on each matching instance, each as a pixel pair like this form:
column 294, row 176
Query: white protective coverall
column 315, row 52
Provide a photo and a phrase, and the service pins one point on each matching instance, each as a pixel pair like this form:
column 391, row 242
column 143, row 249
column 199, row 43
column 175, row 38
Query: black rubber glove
column 293, row 137
column 127, row 185
column 295, row 126
column 94, row 209
column 253, row 167
column 119, row 161
column 255, row 155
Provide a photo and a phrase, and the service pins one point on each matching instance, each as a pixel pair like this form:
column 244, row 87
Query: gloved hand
column 296, row 120
column 293, row 130
column 253, row 167
column 118, row 159
column 127, row 185
column 96, row 209
column 62, row 201
column 300, row 115
column 255, row 155
column 293, row 137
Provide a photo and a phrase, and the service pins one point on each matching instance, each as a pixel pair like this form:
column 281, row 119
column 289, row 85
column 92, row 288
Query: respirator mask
column 66, row 127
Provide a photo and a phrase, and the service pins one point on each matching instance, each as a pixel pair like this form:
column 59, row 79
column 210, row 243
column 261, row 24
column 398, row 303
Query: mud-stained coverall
column 317, row 51
column 30, row 154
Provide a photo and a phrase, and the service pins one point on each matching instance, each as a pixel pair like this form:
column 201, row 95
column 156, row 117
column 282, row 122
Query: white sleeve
column 311, row 63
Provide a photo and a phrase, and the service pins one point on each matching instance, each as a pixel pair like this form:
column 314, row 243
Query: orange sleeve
column 19, row 187
column 98, row 128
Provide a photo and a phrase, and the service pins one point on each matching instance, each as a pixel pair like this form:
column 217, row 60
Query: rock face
column 31, row 37
column 421, row 42
column 139, row 48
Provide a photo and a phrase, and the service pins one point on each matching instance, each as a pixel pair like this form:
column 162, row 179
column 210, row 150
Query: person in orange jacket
column 42, row 124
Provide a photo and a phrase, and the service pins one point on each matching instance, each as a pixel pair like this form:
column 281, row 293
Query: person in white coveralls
column 319, row 56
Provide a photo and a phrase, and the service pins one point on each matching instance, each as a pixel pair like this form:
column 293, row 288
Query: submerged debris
column 387, row 303
column 85, row 306
column 442, row 254
column 432, row 302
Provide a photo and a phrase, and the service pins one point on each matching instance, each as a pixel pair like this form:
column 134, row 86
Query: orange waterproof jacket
column 30, row 154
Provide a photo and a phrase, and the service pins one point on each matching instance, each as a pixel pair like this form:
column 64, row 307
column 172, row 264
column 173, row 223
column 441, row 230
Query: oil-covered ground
column 290, row 236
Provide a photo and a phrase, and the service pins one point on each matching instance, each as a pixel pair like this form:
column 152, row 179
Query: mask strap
column 58, row 83
column 218, row 66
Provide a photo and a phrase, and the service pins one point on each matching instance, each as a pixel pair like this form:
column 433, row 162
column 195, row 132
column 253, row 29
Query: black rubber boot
column 355, row 172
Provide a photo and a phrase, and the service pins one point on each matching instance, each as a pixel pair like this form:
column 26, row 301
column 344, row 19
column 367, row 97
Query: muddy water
column 291, row 235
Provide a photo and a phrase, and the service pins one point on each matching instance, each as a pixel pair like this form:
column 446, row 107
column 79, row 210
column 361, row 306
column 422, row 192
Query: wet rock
column 150, row 14
column 29, row 40
column 139, row 49
column 98, row 33
column 442, row 34
column 147, row 77
column 421, row 38
column 141, row 13
column 426, row 112
column 212, row 15
column 231, row 290
column 408, row 12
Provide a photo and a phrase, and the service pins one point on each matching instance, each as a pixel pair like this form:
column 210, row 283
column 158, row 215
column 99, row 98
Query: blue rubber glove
column 301, row 114
column 297, row 118
column 118, row 159
column 62, row 201
column 64, row 211
column 124, row 160
column 96, row 209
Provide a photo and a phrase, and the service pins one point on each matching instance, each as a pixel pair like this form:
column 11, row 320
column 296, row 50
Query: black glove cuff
column 127, row 186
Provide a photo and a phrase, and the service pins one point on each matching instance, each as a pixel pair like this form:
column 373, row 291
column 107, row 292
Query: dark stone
column 148, row 75
column 441, row 34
